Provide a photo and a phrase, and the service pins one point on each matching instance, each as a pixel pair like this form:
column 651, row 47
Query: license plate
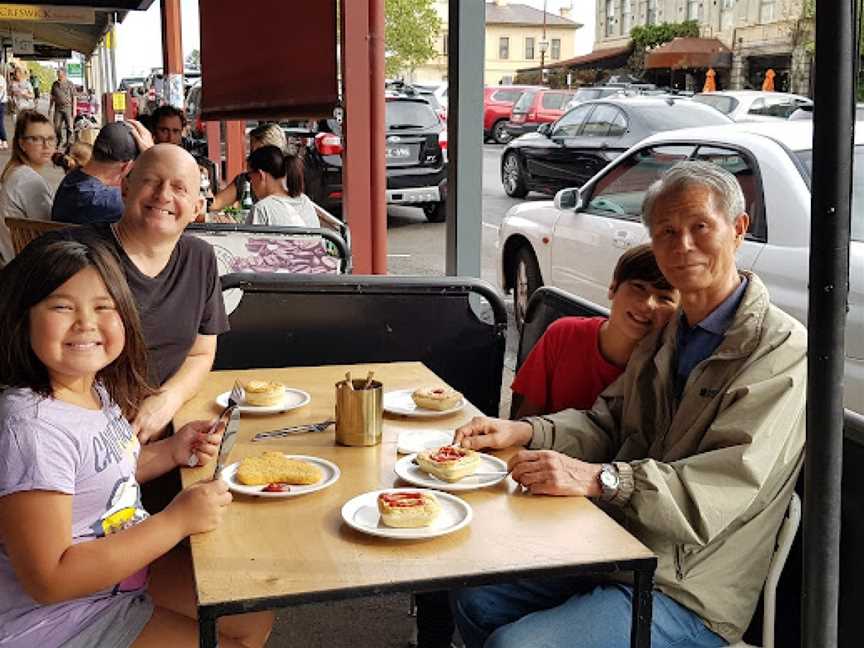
column 398, row 152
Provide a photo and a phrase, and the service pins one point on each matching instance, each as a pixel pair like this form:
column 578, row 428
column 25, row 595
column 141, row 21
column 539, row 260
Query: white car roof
column 796, row 135
column 751, row 93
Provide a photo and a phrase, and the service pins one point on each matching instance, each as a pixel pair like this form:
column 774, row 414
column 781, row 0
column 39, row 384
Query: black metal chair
column 455, row 326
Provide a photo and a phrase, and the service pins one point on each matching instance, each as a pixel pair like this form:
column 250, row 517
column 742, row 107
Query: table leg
column 643, row 586
column 207, row 629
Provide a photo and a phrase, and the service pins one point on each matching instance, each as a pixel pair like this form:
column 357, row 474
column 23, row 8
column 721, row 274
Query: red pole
column 235, row 149
column 172, row 53
column 378, row 204
column 213, row 131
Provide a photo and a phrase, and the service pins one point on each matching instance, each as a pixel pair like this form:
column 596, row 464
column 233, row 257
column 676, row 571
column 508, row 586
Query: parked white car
column 753, row 105
column 575, row 249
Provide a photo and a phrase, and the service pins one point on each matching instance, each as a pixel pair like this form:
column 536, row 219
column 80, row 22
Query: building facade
column 762, row 34
column 514, row 33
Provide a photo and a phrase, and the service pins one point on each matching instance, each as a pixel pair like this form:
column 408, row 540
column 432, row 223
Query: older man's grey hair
column 725, row 190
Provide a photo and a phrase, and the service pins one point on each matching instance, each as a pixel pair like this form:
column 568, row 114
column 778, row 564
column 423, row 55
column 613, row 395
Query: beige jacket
column 704, row 485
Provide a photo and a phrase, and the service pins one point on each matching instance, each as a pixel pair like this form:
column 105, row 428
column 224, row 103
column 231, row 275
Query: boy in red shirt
column 578, row 357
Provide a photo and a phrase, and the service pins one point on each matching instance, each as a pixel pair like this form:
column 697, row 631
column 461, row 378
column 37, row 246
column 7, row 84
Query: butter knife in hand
column 229, row 438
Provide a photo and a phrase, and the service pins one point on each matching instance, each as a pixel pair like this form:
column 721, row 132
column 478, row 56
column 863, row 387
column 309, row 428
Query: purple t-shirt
column 49, row 445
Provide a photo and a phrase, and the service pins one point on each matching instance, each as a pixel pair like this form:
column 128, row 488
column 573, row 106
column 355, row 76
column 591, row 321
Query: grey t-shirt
column 49, row 445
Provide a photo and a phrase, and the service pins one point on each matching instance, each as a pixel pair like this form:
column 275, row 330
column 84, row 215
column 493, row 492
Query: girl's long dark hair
column 43, row 266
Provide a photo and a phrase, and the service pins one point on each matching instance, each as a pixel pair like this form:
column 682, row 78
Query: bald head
column 161, row 195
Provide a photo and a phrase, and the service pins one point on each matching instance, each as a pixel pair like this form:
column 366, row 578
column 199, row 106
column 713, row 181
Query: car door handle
column 622, row 240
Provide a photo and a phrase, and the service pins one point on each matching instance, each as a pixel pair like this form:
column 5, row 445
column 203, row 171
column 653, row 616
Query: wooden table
column 273, row 553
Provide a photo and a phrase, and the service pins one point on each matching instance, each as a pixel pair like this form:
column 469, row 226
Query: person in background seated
column 169, row 124
column 277, row 180
column 24, row 192
column 262, row 135
column 91, row 194
column 578, row 357
column 695, row 448
column 78, row 155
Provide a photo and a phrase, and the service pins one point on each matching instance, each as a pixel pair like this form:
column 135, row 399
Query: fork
column 234, row 399
column 296, row 429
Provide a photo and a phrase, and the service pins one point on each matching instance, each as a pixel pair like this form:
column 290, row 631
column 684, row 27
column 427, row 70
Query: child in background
column 578, row 357
column 75, row 543
column 76, row 157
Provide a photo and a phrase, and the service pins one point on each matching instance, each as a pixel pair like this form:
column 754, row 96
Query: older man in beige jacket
column 695, row 448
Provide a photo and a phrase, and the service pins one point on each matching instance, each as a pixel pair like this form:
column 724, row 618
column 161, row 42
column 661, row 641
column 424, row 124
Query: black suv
column 416, row 158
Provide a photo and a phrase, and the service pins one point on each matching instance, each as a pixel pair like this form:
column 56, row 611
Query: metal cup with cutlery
column 359, row 412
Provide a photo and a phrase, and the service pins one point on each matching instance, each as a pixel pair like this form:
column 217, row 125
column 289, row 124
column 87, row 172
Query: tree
column 411, row 29
column 193, row 60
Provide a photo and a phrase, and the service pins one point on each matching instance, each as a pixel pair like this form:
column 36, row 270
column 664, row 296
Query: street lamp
column 543, row 45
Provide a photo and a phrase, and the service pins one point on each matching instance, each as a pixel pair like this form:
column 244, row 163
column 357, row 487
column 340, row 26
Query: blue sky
column 139, row 37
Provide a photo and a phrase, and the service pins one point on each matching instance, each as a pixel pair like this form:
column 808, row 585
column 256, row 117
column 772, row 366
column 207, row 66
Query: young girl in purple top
column 81, row 563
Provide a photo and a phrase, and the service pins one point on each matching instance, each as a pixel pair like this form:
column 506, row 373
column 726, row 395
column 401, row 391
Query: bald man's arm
column 158, row 410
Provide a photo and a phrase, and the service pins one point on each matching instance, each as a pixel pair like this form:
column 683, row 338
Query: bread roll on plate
column 438, row 398
column 275, row 467
column 408, row 510
column 449, row 463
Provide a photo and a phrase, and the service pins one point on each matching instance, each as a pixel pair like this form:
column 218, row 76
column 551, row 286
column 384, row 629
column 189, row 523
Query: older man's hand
column 140, row 134
column 154, row 415
column 545, row 472
column 483, row 432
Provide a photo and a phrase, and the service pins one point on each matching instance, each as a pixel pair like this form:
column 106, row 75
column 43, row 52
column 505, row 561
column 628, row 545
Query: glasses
column 44, row 140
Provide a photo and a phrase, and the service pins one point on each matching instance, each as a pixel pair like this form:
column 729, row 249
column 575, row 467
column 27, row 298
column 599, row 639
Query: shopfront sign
column 48, row 13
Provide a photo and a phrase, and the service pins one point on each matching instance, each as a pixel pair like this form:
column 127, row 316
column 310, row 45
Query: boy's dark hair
column 270, row 159
column 42, row 266
column 167, row 110
column 638, row 262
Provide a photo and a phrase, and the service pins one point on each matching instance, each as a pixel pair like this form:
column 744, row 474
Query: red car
column 537, row 107
column 497, row 103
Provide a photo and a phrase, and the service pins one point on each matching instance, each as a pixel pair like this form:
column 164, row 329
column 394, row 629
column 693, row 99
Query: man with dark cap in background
column 91, row 194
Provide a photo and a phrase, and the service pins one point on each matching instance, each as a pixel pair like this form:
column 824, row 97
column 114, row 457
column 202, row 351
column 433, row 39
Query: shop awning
column 252, row 68
column 689, row 53
column 609, row 58
column 65, row 24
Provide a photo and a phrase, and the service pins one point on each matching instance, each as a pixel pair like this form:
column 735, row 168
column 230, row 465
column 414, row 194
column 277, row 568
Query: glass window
column 721, row 102
column 620, row 191
column 651, row 17
column 524, row 102
column 508, row 96
column 739, row 165
column 857, row 233
column 556, row 48
column 444, row 46
column 766, row 11
column 413, row 113
column 529, row 48
column 605, row 121
column 571, row 122
column 504, row 47
column 681, row 114
column 626, row 16
column 552, row 100
column 777, row 106
column 610, row 17
column 694, row 10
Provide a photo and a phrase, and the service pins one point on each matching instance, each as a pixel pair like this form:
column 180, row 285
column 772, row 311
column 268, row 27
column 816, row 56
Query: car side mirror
column 545, row 129
column 570, row 199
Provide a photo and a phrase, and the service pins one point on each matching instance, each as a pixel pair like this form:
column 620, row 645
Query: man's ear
column 741, row 224
column 613, row 288
column 126, row 168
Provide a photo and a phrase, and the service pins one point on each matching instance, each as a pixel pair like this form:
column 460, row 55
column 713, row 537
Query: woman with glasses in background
column 24, row 193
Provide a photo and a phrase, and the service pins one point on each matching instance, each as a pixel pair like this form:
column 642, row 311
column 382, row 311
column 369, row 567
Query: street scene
column 431, row 324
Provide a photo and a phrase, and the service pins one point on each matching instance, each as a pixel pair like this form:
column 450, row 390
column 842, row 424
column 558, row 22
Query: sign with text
column 49, row 13
column 22, row 43
column 75, row 70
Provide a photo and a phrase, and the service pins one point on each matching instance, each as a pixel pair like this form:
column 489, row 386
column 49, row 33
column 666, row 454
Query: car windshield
column 432, row 99
column 524, row 102
column 806, row 157
column 721, row 102
column 587, row 94
column 681, row 114
column 410, row 114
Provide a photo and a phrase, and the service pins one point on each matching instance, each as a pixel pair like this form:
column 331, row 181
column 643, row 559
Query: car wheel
column 436, row 212
column 499, row 132
column 511, row 177
column 526, row 280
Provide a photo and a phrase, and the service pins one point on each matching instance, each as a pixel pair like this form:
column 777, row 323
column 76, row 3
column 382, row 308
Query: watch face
column 609, row 479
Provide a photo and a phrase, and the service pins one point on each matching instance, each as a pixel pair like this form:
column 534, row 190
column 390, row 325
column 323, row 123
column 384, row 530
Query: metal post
column 466, row 40
column 112, row 60
column 833, row 137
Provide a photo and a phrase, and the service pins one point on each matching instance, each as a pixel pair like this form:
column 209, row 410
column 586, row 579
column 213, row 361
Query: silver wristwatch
column 609, row 481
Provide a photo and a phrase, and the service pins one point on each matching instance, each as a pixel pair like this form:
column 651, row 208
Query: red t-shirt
column 565, row 368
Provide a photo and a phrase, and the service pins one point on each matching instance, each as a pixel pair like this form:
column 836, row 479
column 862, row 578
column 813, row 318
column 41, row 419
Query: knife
column 229, row 438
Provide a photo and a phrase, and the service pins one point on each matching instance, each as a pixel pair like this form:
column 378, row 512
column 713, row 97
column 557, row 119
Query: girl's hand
column 195, row 440
column 200, row 508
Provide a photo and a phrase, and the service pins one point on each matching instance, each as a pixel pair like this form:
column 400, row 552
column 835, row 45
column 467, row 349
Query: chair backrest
column 262, row 248
column 785, row 538
column 24, row 230
column 456, row 326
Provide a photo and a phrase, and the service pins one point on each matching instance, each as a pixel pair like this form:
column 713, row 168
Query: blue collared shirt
column 697, row 343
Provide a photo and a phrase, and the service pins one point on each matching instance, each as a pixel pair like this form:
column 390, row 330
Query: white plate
column 294, row 398
column 361, row 513
column 412, row 473
column 331, row 475
column 400, row 402
column 413, row 441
